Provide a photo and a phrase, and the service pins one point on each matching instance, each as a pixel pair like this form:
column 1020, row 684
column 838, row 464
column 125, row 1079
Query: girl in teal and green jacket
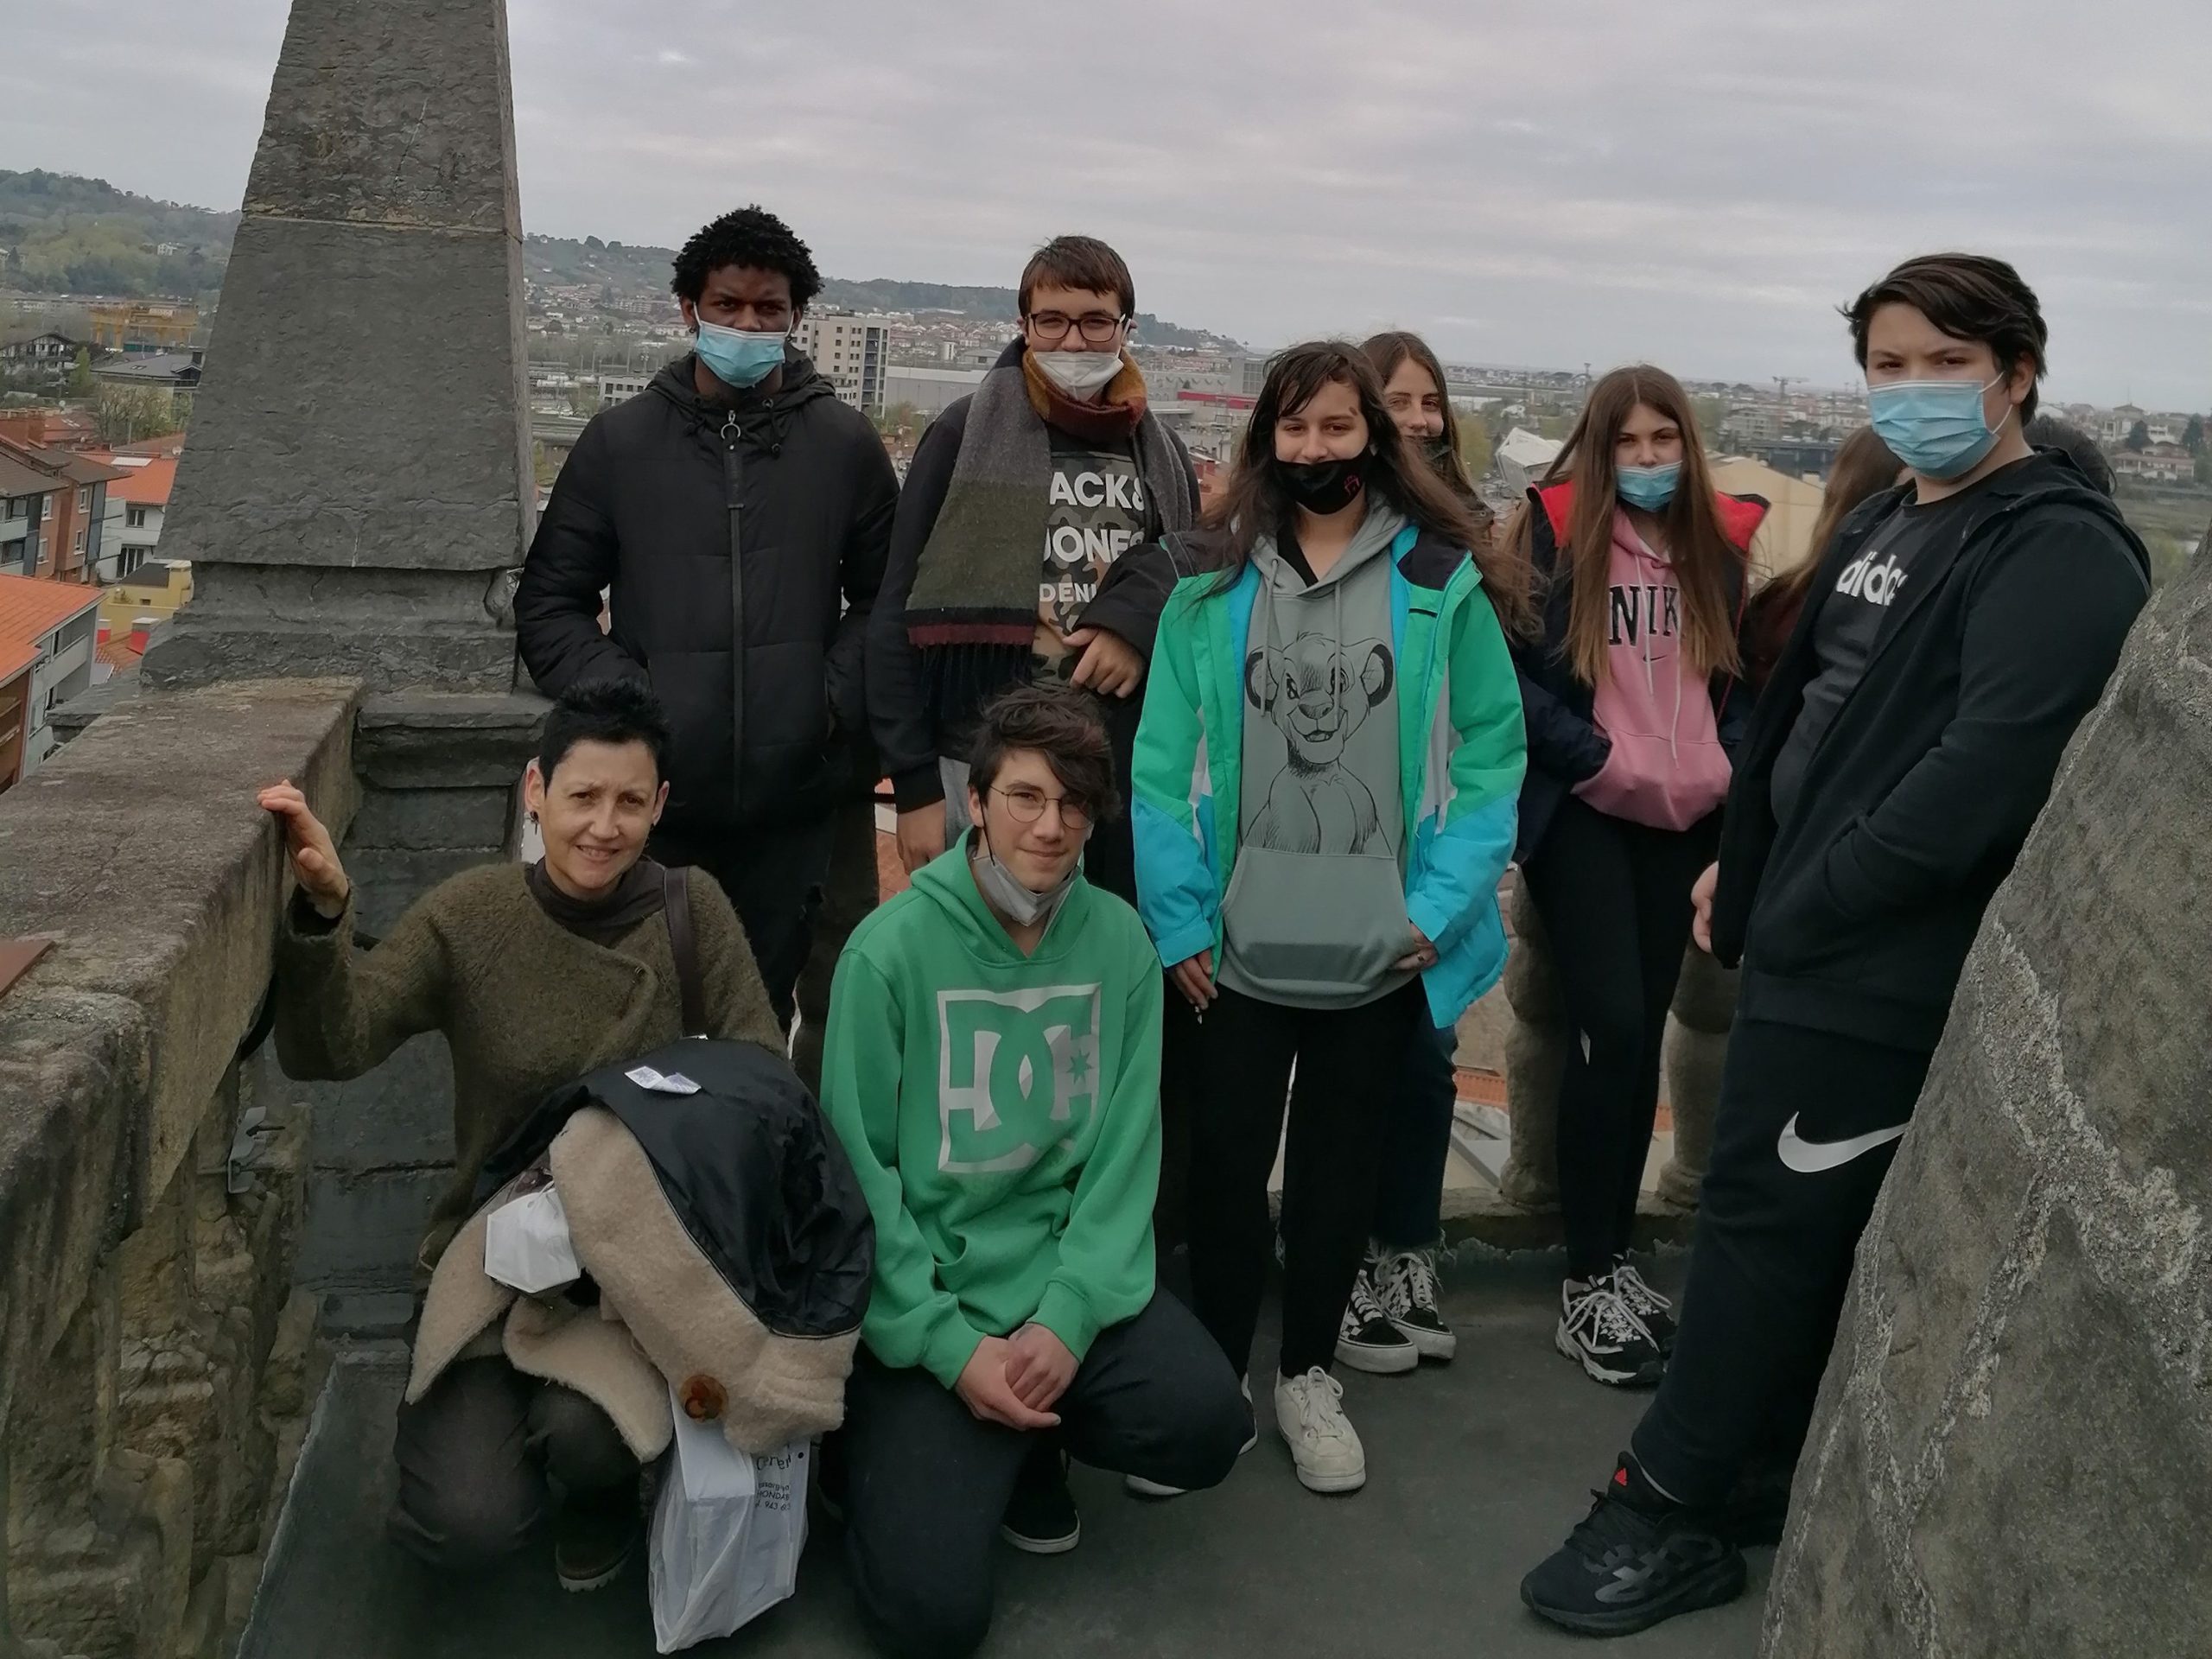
column 1324, row 783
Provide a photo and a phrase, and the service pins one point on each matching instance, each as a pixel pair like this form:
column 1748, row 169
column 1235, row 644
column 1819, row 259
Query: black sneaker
column 1041, row 1517
column 594, row 1537
column 1653, row 1312
column 1597, row 1329
column 1366, row 1340
column 1406, row 1285
column 1636, row 1560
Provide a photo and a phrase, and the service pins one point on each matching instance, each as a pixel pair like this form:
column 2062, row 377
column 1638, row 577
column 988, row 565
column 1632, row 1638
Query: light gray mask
column 1007, row 896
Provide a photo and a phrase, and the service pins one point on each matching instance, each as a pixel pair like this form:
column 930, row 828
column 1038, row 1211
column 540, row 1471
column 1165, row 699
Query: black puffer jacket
column 749, row 534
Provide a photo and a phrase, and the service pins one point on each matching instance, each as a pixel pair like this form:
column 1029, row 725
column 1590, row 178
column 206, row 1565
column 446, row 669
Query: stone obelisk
column 356, row 489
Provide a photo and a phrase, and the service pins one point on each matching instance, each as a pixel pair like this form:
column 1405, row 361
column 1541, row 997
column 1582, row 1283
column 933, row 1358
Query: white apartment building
column 851, row 351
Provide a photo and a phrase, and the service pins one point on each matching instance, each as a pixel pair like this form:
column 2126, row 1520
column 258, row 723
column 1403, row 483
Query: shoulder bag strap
column 684, row 944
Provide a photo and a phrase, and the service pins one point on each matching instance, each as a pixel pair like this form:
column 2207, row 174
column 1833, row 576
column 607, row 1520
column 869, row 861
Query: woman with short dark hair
column 535, row 975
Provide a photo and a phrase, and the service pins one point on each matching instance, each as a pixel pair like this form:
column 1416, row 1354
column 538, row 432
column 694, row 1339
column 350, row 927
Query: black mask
column 1324, row 487
column 1440, row 453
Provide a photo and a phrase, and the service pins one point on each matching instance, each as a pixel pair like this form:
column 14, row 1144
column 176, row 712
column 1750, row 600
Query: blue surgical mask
column 1934, row 426
column 736, row 357
column 1649, row 487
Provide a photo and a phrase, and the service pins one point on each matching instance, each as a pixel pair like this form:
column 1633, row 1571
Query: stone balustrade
column 154, row 1356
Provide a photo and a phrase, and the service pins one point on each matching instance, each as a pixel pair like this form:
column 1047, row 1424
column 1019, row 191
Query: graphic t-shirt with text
column 1850, row 622
column 1095, row 511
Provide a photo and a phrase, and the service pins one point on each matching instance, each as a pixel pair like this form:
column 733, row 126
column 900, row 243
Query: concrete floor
column 1475, row 1470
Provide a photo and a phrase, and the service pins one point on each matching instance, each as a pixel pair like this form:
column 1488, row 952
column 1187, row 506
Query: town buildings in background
column 851, row 351
column 47, row 642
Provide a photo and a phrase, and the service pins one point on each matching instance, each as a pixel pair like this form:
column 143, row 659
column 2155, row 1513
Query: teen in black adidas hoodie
column 1958, row 629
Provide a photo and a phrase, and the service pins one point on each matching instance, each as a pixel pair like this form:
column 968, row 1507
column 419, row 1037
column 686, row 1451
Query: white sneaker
column 1309, row 1410
column 1142, row 1488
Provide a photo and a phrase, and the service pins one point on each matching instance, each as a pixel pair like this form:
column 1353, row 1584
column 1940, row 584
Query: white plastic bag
column 727, row 1530
column 526, row 1240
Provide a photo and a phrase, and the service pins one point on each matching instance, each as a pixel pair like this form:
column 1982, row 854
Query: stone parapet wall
column 154, row 1357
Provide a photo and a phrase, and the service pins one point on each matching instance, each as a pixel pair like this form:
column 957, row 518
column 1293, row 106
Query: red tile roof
column 120, row 651
column 31, row 608
column 143, row 487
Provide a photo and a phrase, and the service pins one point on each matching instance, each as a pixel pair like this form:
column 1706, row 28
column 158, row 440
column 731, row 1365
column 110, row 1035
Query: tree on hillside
column 1474, row 447
column 126, row 414
column 2192, row 435
column 2139, row 437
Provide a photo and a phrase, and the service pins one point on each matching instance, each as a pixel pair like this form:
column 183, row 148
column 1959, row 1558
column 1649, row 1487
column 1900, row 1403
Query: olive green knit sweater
column 525, row 1005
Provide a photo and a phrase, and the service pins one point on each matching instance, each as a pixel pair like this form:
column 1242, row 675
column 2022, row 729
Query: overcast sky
column 1527, row 181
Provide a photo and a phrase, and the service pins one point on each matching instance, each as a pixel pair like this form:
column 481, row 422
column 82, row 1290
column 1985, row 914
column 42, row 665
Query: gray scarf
column 978, row 581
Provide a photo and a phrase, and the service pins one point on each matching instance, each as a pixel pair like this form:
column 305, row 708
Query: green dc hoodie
column 1002, row 1113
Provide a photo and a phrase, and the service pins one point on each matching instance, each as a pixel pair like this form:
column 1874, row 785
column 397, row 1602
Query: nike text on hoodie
column 1667, row 768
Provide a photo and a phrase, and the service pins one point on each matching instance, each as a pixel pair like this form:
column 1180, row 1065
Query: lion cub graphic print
column 1317, row 694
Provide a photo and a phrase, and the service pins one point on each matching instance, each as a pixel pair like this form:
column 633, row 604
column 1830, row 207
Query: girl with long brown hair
column 1413, row 391
column 1325, row 777
column 1633, row 703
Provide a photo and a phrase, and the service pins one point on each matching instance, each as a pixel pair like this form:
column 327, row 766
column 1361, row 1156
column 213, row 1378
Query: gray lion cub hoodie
column 1315, row 913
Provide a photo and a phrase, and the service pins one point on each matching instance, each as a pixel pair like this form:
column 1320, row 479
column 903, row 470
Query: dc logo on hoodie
column 1017, row 1074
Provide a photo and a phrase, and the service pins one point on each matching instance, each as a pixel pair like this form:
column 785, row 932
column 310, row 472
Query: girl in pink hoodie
column 1633, row 703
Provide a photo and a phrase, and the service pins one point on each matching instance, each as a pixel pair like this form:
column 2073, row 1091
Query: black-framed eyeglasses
column 1097, row 328
column 1028, row 805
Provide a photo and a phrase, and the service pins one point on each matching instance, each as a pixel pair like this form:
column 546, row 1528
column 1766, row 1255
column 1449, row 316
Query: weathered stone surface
column 323, row 436
column 397, row 113
column 429, row 740
column 363, row 1229
column 381, row 234
column 1535, row 1054
column 399, row 1116
column 379, row 627
column 429, row 819
column 139, row 846
column 135, row 1293
column 2015, row 1426
column 387, row 882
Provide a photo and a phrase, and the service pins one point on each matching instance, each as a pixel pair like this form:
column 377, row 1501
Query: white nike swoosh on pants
column 1811, row 1157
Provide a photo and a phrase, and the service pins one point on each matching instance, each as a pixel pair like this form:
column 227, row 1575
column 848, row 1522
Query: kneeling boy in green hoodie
column 992, row 1067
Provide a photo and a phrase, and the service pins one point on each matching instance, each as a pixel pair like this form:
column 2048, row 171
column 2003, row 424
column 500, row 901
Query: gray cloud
column 1699, row 182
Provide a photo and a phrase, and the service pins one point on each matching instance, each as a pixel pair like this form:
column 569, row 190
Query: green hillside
column 59, row 234
column 62, row 234
column 630, row 267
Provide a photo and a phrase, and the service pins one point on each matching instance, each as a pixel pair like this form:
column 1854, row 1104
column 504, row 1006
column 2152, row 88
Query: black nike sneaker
column 1636, row 1560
